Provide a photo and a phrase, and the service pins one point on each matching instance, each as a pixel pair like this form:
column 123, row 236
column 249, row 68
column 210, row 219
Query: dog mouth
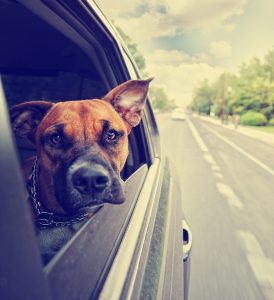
column 79, row 204
column 89, row 202
column 87, row 186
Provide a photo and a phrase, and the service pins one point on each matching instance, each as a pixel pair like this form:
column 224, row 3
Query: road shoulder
column 265, row 137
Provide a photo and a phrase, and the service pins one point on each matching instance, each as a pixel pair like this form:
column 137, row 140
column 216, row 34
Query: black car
column 61, row 50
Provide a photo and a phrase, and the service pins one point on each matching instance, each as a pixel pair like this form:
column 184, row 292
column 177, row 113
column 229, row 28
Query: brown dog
column 81, row 149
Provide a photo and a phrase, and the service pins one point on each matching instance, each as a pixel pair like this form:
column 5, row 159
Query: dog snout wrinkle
column 89, row 179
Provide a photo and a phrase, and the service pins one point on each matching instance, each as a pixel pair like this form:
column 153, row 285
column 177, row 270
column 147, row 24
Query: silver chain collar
column 45, row 219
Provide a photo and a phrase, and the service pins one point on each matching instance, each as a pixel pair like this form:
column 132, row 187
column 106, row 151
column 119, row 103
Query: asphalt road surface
column 227, row 185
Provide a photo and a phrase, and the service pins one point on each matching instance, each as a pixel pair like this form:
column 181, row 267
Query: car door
column 128, row 251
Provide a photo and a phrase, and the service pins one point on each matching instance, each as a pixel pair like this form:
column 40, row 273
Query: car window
column 21, row 269
column 50, row 66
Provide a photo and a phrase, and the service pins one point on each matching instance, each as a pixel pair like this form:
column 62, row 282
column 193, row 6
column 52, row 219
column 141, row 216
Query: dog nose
column 91, row 178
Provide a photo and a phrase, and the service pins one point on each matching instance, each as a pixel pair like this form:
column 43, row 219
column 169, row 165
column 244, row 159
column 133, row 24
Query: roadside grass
column 269, row 129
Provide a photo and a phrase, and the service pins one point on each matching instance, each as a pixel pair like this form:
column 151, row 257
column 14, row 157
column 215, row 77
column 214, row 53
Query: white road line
column 229, row 194
column 216, row 168
column 209, row 158
column 218, row 175
column 246, row 154
column 197, row 136
column 250, row 243
column 262, row 266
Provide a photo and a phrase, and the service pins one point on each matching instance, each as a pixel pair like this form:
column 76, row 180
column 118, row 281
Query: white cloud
column 220, row 49
column 204, row 14
column 175, row 57
column 114, row 9
column 162, row 18
column 147, row 27
column 179, row 73
column 229, row 27
column 176, row 71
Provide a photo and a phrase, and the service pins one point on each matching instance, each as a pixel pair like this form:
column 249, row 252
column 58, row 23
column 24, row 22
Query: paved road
column 227, row 183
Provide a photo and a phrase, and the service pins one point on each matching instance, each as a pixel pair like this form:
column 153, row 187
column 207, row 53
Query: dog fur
column 81, row 146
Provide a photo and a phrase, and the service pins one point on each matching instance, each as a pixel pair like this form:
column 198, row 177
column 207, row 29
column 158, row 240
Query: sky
column 187, row 41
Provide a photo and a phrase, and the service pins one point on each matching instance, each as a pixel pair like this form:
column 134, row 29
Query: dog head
column 81, row 145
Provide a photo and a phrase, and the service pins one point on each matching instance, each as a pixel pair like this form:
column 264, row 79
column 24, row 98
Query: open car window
column 50, row 66
column 58, row 65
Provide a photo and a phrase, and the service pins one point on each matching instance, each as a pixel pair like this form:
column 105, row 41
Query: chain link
column 44, row 218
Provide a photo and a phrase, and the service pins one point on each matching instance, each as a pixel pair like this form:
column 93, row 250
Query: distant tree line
column 250, row 92
column 157, row 95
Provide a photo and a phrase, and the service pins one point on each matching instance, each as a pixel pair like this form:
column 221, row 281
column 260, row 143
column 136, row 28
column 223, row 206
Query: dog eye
column 112, row 135
column 55, row 139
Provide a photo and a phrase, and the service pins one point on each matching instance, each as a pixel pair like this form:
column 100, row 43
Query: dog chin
column 116, row 198
column 116, row 194
column 78, row 204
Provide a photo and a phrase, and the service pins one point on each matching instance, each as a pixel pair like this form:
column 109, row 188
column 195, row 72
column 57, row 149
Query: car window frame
column 21, row 271
column 53, row 277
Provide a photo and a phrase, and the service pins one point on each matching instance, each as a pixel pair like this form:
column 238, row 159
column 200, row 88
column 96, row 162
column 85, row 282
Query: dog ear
column 25, row 117
column 129, row 99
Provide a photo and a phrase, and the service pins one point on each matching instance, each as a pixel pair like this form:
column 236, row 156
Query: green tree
column 159, row 99
column 254, row 88
column 133, row 48
column 251, row 90
column 158, row 96
column 203, row 98
column 269, row 64
column 223, row 91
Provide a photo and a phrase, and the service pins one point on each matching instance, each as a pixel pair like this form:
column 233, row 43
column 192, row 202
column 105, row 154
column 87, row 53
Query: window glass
column 51, row 86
